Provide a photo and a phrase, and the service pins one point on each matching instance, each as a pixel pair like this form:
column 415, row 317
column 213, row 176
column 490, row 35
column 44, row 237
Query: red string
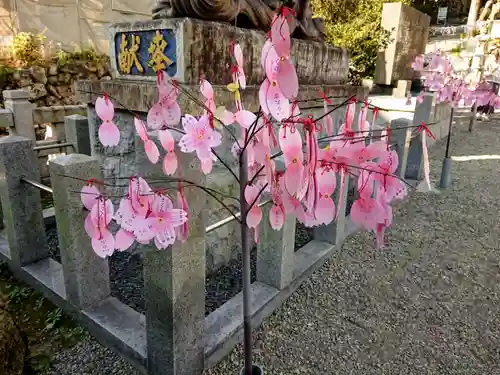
column 106, row 97
column 325, row 98
column 423, row 127
column 231, row 48
column 375, row 113
column 388, row 136
column 159, row 76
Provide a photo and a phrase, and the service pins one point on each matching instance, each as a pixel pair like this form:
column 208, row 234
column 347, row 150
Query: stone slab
column 120, row 328
column 195, row 47
column 409, row 31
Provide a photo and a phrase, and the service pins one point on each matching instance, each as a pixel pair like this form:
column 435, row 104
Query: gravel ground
column 429, row 303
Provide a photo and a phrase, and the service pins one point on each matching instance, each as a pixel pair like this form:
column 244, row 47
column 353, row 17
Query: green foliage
column 355, row 25
column 27, row 48
column 17, row 293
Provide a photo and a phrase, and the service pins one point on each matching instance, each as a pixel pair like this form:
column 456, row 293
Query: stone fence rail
column 21, row 117
column 173, row 336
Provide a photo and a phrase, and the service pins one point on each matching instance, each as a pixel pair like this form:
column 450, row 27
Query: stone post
column 403, row 139
column 22, row 111
column 77, row 131
column 174, row 280
column 276, row 252
column 423, row 113
column 21, row 203
column 334, row 232
column 86, row 275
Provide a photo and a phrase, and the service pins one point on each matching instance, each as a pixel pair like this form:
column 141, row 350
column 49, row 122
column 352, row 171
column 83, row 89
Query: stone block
column 423, row 113
column 17, row 102
column 197, row 47
column 77, row 131
column 21, row 203
column 86, row 275
column 402, row 88
column 409, row 31
column 276, row 252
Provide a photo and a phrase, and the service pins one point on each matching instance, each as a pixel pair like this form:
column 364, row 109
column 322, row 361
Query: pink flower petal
column 152, row 151
column 327, row 182
column 89, row 195
column 161, row 204
column 325, row 210
column 206, row 89
column 104, row 109
column 254, row 217
column 264, row 88
column 140, row 127
column 287, row 79
column 276, row 217
column 278, row 105
column 293, row 178
column 103, row 243
column 170, row 163
column 280, row 36
column 206, row 165
column 166, row 140
column 242, row 79
column 123, row 240
column 245, row 118
column 109, row 134
column 155, row 117
column 102, row 213
column 172, row 114
column 144, row 230
column 265, row 52
column 89, row 226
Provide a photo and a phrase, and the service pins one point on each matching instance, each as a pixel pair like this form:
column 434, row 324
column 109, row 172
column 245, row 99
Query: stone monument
column 409, row 29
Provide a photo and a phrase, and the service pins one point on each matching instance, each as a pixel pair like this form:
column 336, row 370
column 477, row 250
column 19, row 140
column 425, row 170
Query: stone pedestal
column 194, row 47
column 409, row 29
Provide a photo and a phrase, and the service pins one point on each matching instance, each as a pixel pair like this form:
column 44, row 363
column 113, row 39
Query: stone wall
column 52, row 84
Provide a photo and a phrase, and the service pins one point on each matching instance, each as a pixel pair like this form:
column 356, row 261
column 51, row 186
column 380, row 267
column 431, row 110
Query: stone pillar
column 473, row 12
column 86, row 275
column 174, row 281
column 276, row 252
column 334, row 232
column 423, row 113
column 403, row 139
column 22, row 112
column 77, row 131
column 21, row 203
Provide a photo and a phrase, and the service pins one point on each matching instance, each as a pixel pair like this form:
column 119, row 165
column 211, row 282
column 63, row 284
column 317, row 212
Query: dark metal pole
column 245, row 249
column 447, row 154
column 445, row 181
column 472, row 122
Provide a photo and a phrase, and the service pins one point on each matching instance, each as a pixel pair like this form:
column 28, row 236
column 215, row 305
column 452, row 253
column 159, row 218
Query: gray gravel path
column 429, row 303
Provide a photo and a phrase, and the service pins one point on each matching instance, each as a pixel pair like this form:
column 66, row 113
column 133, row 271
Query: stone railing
column 173, row 330
column 21, row 117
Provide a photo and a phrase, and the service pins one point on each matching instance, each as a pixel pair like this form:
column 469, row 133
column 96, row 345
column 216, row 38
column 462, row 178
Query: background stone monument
column 409, row 30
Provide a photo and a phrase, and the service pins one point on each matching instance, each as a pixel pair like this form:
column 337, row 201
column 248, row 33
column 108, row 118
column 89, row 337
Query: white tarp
column 71, row 23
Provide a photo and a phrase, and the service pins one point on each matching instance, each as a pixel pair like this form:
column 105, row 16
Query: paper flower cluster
column 446, row 75
column 315, row 159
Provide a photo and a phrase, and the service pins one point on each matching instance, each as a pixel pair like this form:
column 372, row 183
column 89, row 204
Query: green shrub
column 27, row 48
column 355, row 25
